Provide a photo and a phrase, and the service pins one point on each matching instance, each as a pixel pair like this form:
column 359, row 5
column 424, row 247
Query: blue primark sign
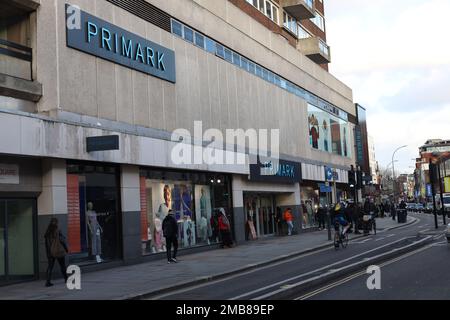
column 105, row 40
column 283, row 172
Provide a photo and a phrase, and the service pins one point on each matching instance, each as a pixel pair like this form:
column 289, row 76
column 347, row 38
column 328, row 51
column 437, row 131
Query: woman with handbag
column 55, row 245
column 225, row 229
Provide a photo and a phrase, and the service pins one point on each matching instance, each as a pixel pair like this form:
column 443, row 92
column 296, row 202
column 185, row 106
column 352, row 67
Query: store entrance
column 260, row 215
column 17, row 232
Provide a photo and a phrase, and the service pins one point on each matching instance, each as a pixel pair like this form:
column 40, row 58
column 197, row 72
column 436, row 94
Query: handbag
column 56, row 249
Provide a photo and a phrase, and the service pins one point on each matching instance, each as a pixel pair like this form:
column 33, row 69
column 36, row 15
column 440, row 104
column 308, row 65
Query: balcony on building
column 299, row 9
column 316, row 49
column 18, row 88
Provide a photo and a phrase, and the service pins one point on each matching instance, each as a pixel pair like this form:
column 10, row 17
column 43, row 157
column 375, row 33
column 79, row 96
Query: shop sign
column 283, row 172
column 103, row 143
column 9, row 174
column 447, row 184
column 105, row 40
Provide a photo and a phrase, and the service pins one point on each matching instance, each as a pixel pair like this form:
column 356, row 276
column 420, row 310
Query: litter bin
column 401, row 216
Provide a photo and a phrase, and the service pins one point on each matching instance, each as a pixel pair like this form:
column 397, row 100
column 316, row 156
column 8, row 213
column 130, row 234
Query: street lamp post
column 393, row 166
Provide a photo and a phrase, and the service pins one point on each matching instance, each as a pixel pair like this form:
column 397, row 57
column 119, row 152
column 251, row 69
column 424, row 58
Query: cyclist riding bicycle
column 340, row 219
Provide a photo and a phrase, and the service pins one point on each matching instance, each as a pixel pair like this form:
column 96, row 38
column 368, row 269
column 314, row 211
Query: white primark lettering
column 186, row 310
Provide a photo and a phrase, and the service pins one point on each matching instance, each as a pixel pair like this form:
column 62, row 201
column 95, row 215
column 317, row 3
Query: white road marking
column 359, row 274
column 280, row 283
column 362, row 241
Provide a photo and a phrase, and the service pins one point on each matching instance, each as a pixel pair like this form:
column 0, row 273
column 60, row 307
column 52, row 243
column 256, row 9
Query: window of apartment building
column 319, row 21
column 188, row 34
column 302, row 33
column 199, row 40
column 268, row 8
column 290, row 23
column 177, row 28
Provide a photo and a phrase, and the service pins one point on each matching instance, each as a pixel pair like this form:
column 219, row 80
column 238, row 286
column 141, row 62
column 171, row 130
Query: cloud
column 398, row 68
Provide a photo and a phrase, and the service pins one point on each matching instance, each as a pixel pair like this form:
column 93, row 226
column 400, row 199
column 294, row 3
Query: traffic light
column 352, row 179
column 359, row 179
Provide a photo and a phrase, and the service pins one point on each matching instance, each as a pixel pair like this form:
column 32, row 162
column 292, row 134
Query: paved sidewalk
column 133, row 281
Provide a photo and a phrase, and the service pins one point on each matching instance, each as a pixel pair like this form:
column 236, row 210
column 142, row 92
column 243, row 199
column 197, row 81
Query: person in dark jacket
column 170, row 232
column 56, row 249
column 357, row 216
column 349, row 213
column 369, row 207
column 321, row 215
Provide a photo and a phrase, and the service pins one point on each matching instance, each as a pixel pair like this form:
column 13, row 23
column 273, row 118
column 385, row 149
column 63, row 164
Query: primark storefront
column 94, row 148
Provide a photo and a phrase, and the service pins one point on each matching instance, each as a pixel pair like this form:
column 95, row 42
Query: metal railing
column 18, row 51
column 324, row 48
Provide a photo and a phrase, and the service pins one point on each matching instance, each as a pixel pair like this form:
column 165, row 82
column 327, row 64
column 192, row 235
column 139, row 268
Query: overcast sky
column 395, row 55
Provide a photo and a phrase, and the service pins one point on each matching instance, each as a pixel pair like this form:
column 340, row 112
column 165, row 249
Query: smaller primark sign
column 105, row 40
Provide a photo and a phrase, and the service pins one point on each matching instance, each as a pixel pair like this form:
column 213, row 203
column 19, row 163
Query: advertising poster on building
column 328, row 133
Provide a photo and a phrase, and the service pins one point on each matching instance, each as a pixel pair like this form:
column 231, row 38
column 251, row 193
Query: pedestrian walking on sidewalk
column 289, row 218
column 170, row 232
column 56, row 249
column 225, row 229
column 321, row 214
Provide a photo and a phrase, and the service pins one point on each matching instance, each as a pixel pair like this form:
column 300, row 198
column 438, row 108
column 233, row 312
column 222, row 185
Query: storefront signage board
column 284, row 172
column 103, row 143
column 105, row 40
column 9, row 174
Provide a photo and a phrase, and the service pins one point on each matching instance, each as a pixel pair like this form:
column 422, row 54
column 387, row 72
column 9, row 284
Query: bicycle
column 339, row 238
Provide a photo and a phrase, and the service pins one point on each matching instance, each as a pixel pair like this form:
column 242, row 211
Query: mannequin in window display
column 205, row 223
column 158, row 240
column 325, row 135
column 345, row 143
column 305, row 215
column 188, row 232
column 186, row 201
column 95, row 232
column 310, row 211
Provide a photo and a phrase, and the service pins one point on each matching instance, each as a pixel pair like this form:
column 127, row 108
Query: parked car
column 429, row 207
column 410, row 206
column 446, row 198
column 419, row 208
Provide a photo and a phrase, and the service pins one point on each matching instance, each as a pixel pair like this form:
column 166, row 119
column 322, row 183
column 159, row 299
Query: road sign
column 325, row 188
column 329, row 175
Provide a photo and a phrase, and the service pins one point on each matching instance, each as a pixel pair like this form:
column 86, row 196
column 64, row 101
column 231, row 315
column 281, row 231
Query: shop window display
column 94, row 213
column 310, row 206
column 194, row 205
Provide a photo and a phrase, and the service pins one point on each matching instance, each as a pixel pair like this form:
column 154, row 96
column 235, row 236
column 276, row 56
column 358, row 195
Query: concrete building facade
column 91, row 93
